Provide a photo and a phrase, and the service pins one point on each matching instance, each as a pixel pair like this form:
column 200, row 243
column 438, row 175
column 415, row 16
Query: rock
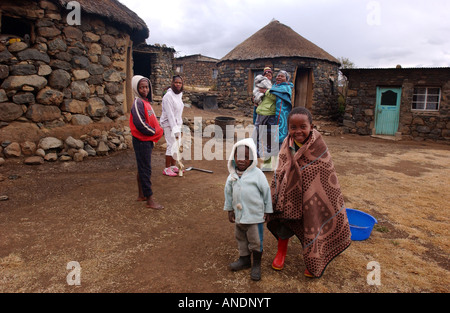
column 17, row 82
column 81, row 74
column 90, row 151
column 74, row 106
column 13, row 150
column 23, row 70
column 51, row 157
column 3, row 96
column 49, row 96
column 65, row 158
column 80, row 90
column 42, row 113
column 33, row 54
column 40, row 152
column 24, row 98
column 80, row 62
column 80, row 155
column 2, row 161
column 73, row 32
column 74, row 143
column 44, row 70
column 79, row 119
column 112, row 76
column 102, row 148
column 96, row 107
column 48, row 31
column 48, row 143
column 34, row 160
column 59, row 79
column 28, row 148
column 10, row 111
column 57, row 44
column 17, row 46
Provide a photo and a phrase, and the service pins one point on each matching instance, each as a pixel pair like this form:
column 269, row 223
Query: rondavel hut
column 314, row 72
column 66, row 63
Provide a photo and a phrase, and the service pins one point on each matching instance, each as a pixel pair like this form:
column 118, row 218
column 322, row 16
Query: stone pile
column 51, row 149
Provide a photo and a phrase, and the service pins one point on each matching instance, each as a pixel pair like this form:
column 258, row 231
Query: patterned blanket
column 307, row 199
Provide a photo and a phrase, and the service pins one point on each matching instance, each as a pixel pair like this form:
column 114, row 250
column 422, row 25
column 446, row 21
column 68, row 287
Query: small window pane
column 421, row 91
column 418, row 105
column 433, row 91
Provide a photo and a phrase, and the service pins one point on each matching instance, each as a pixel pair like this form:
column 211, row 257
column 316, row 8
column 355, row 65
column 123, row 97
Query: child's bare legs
column 152, row 204
column 141, row 196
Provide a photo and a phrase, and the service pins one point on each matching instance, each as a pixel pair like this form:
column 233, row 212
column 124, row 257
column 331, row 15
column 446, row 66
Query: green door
column 387, row 110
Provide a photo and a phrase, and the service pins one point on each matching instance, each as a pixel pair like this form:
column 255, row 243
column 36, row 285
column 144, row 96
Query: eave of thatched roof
column 277, row 40
column 115, row 12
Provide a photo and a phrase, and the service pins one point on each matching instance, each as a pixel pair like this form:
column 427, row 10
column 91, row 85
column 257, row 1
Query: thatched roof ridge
column 115, row 12
column 277, row 40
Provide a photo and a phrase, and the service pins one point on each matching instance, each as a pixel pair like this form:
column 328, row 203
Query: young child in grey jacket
column 248, row 201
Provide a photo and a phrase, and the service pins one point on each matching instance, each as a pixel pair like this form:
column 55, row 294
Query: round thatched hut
column 314, row 72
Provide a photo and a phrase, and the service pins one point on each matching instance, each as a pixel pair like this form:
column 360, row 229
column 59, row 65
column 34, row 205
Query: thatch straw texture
column 113, row 11
column 276, row 40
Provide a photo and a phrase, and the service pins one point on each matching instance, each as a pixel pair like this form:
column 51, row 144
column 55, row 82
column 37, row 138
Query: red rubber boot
column 278, row 262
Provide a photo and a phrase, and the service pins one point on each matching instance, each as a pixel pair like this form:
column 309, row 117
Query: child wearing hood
column 248, row 201
column 146, row 131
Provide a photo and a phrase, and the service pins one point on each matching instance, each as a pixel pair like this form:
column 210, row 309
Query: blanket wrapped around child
column 307, row 199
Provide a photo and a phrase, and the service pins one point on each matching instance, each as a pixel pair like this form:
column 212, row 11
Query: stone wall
column 360, row 112
column 235, row 82
column 64, row 74
column 197, row 71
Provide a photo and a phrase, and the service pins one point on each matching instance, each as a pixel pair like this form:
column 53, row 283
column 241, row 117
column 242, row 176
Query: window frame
column 426, row 100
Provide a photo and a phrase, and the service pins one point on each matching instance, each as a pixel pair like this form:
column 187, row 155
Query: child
column 307, row 198
column 247, row 200
column 171, row 120
column 146, row 132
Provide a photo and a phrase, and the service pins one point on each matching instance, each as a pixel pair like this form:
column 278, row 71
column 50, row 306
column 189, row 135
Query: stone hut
column 155, row 62
column 314, row 72
column 197, row 70
column 410, row 102
column 57, row 71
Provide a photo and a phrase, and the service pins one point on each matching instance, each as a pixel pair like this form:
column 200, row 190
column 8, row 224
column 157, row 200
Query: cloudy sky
column 383, row 33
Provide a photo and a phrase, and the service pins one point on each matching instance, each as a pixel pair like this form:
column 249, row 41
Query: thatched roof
column 277, row 40
column 115, row 12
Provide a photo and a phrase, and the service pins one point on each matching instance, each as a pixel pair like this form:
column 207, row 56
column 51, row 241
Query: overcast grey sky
column 383, row 33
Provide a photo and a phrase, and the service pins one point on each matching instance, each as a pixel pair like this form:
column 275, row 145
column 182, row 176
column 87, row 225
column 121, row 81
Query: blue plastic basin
column 361, row 224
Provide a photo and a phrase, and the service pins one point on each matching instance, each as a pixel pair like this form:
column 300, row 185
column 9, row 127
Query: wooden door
column 303, row 88
column 387, row 114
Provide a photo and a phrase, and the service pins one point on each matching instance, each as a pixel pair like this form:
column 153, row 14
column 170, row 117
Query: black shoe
column 242, row 263
column 256, row 268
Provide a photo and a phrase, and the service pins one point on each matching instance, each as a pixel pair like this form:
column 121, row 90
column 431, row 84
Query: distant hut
column 314, row 72
column 56, row 71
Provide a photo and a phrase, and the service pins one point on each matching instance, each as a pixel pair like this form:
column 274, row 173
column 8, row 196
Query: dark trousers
column 143, row 151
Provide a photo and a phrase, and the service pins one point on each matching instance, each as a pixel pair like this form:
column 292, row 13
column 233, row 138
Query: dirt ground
column 87, row 212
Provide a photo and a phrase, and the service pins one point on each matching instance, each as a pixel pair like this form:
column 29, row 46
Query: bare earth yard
column 87, row 212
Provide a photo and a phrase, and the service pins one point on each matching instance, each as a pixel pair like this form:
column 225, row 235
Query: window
column 214, row 73
column 426, row 98
column 12, row 28
column 179, row 68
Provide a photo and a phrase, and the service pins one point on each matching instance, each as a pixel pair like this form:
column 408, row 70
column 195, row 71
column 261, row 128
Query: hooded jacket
column 249, row 195
column 143, row 122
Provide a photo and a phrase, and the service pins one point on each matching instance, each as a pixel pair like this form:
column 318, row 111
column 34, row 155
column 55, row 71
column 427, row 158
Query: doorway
column 387, row 110
column 303, row 88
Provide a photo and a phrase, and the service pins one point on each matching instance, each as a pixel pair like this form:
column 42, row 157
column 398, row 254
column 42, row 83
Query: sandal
column 169, row 172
